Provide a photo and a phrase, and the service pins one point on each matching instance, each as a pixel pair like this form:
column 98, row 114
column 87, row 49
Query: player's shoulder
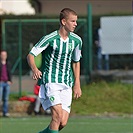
column 75, row 36
column 50, row 36
column 54, row 33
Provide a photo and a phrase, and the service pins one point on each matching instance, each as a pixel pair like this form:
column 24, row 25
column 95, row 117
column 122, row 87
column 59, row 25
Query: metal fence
column 18, row 34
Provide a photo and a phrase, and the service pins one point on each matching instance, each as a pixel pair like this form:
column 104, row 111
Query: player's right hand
column 37, row 74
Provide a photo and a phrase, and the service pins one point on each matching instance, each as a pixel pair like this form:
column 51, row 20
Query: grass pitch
column 75, row 125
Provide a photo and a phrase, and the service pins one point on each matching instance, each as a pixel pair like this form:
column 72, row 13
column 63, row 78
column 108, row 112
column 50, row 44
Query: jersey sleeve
column 77, row 52
column 40, row 46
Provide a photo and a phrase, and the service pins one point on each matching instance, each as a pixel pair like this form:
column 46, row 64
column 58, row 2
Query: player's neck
column 63, row 33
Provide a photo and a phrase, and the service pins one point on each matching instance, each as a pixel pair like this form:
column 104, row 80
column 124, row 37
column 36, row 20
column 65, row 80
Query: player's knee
column 63, row 124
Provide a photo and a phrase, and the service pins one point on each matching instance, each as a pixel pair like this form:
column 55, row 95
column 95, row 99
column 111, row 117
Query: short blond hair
column 65, row 12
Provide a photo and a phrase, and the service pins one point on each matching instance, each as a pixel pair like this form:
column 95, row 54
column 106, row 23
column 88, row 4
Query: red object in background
column 36, row 89
column 31, row 99
column 26, row 98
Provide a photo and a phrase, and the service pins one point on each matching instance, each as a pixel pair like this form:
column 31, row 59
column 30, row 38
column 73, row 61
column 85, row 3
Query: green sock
column 52, row 131
column 45, row 130
column 48, row 130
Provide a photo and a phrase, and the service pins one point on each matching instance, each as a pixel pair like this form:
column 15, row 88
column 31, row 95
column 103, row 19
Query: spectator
column 100, row 57
column 5, row 81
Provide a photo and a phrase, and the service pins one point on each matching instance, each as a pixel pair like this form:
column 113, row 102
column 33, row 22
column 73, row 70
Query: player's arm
column 36, row 72
column 76, row 69
column 76, row 87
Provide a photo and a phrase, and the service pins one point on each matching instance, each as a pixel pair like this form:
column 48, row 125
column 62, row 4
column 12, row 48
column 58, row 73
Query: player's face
column 70, row 23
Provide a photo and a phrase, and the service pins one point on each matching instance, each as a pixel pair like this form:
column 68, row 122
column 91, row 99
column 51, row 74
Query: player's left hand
column 77, row 91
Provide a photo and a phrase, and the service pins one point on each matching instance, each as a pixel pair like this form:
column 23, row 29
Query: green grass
column 99, row 99
column 103, row 98
column 75, row 125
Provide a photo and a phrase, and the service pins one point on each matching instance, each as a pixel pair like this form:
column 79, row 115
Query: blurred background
column 24, row 22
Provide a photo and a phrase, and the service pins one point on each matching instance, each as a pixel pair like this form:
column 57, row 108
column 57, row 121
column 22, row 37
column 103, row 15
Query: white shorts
column 55, row 93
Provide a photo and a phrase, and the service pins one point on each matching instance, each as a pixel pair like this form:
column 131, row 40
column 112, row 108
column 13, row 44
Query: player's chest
column 62, row 47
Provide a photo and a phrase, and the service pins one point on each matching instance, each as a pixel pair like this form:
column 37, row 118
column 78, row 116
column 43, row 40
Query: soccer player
column 61, row 53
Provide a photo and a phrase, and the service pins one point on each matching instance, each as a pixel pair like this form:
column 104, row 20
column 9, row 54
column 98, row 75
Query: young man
column 5, row 81
column 61, row 51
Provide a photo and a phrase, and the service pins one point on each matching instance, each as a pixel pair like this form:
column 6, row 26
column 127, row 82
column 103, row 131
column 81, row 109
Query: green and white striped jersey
column 57, row 55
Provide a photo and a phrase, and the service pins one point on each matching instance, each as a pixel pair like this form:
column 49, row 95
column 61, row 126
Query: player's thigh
column 59, row 115
column 56, row 112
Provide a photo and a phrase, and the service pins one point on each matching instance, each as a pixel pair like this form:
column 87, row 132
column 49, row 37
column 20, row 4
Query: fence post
column 90, row 38
column 3, row 35
column 20, row 56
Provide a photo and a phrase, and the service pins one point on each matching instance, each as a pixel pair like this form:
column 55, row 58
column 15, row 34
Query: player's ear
column 63, row 22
